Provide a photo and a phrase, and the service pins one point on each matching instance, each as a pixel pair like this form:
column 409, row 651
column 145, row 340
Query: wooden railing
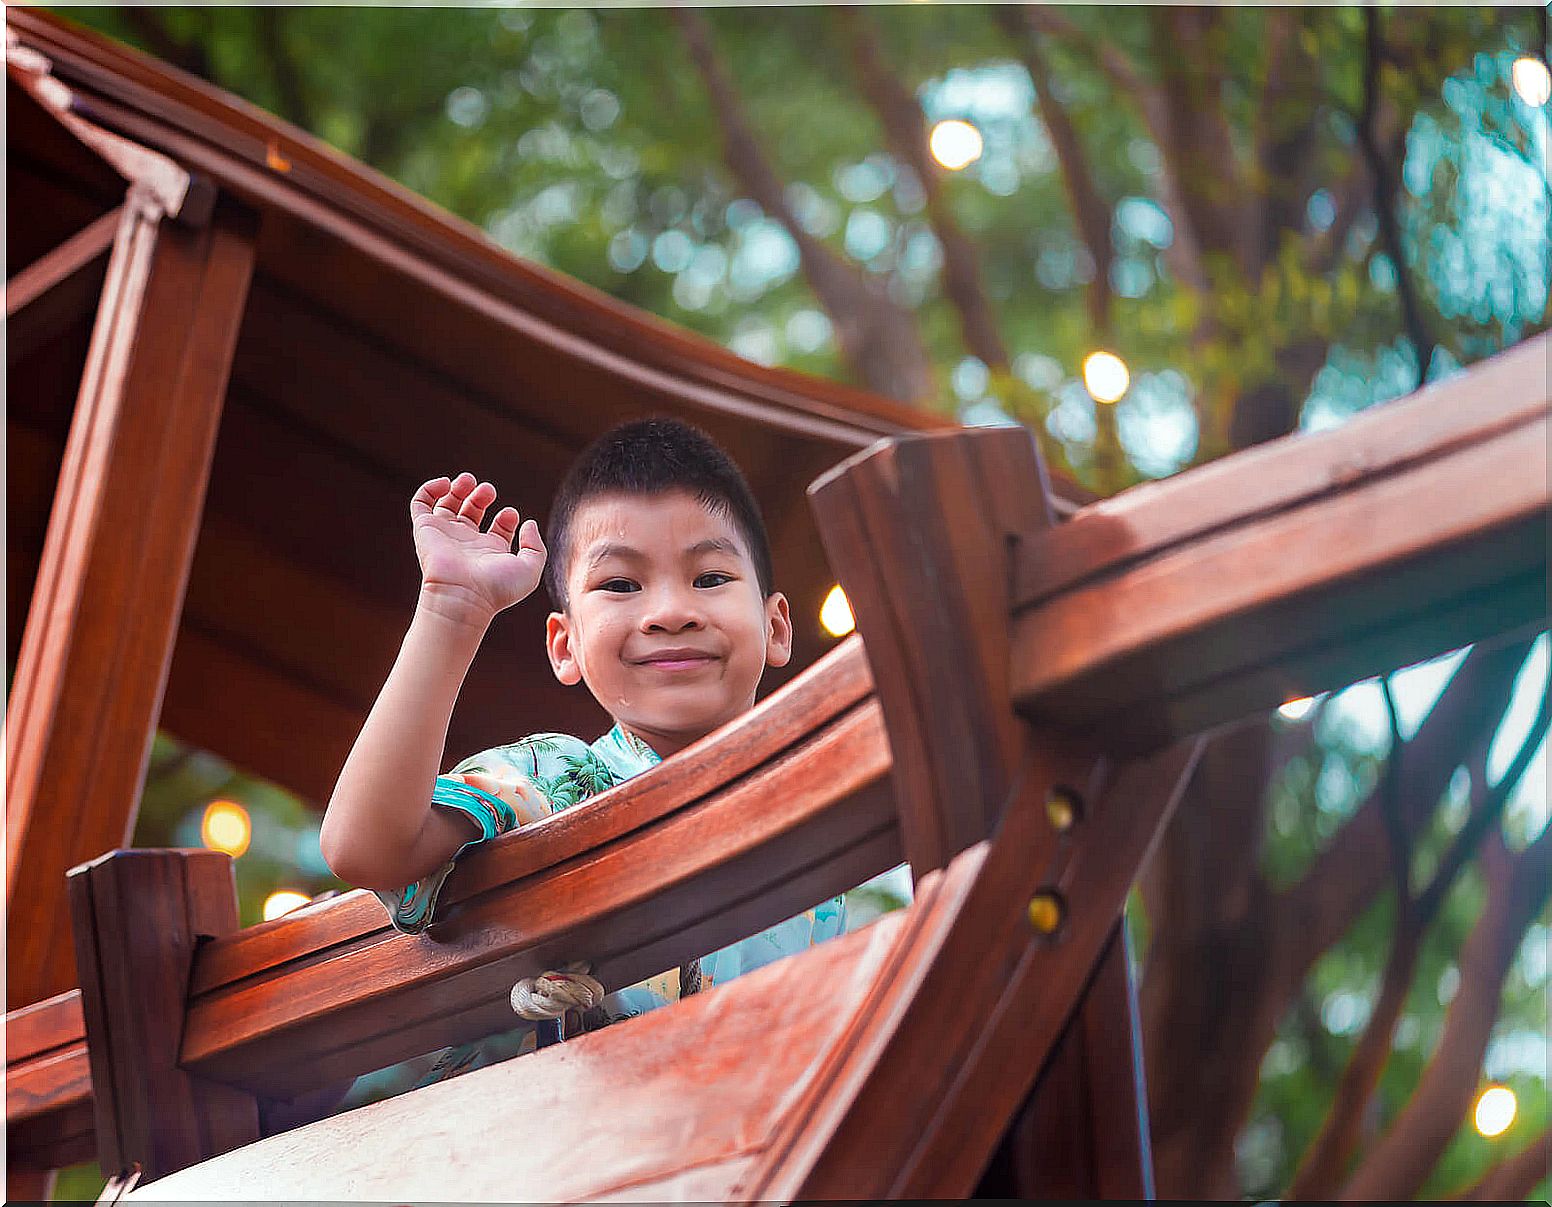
column 1408, row 532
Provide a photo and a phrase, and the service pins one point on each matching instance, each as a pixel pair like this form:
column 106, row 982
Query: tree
column 1280, row 215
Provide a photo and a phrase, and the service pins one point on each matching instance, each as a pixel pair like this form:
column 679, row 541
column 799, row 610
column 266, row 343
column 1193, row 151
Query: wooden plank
column 961, row 1026
column 919, row 529
column 814, row 821
column 56, row 291
column 1082, row 1133
column 100, row 629
column 676, row 1101
column 48, row 1086
column 1377, row 564
column 55, row 267
column 137, row 918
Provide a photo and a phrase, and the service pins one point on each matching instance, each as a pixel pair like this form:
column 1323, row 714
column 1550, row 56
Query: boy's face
column 665, row 621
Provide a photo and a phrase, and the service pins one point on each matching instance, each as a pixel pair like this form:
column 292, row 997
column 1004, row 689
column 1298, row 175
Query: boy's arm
column 380, row 830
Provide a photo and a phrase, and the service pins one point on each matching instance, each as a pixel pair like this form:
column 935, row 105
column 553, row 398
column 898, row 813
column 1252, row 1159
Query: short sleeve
column 498, row 790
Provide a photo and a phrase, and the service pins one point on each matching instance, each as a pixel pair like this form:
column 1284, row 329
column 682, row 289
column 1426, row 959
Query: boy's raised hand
column 466, row 574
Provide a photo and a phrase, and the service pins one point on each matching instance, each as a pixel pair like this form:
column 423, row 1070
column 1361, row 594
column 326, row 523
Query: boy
column 660, row 579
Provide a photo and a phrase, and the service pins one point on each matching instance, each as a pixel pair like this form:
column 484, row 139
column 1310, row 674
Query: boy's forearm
column 380, row 830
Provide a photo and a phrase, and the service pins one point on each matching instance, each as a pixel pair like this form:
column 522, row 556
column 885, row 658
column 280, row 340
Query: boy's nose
column 671, row 612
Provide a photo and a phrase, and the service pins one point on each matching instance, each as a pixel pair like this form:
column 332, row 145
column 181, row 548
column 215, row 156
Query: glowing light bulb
column 283, row 901
column 1106, row 377
column 955, row 144
column 1531, row 80
column 1496, row 1108
column 835, row 613
column 225, row 827
column 1295, row 710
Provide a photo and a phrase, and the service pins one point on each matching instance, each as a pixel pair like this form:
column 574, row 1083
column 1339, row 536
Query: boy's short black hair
column 649, row 457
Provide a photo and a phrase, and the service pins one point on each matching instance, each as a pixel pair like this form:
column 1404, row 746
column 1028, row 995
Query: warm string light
column 1495, row 1110
column 283, row 901
column 955, row 144
column 835, row 613
column 225, row 827
column 1106, row 376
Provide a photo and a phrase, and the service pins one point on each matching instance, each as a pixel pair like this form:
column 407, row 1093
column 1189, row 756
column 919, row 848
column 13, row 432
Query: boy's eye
column 618, row 585
column 713, row 578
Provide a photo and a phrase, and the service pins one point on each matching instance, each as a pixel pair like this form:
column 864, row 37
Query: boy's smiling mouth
column 675, row 659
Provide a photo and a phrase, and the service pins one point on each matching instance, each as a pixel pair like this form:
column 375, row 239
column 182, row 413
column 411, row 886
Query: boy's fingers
column 505, row 525
column 462, row 485
column 529, row 538
column 428, row 495
column 473, row 509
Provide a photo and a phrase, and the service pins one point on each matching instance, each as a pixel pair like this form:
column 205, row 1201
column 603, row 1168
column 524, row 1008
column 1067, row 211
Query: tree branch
column 1321, row 1170
column 1183, row 256
column 1385, row 198
column 1517, row 889
column 1347, row 874
column 152, row 30
column 905, row 132
column 294, row 105
column 1091, row 213
column 877, row 337
column 1514, row 1177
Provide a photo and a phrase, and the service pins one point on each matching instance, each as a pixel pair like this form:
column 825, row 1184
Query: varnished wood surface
column 110, row 583
column 1295, row 568
column 920, row 528
column 137, row 918
column 48, row 1084
column 961, row 1023
column 672, row 1106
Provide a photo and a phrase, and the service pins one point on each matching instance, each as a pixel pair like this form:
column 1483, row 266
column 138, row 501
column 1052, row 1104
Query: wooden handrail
column 1294, row 568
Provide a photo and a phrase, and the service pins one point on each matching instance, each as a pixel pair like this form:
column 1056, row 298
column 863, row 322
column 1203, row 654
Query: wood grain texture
column 965, row 1017
column 137, row 918
column 919, row 528
column 1309, row 563
column 48, row 1085
column 110, row 583
column 669, row 1106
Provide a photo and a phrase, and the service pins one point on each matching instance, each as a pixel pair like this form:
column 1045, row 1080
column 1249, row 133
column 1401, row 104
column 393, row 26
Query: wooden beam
column 137, row 918
column 918, row 529
column 960, row 1025
column 1296, row 568
column 110, row 584
column 48, row 1085
column 55, row 267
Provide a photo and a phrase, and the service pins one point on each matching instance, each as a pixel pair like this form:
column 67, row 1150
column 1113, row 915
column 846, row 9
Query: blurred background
column 1154, row 236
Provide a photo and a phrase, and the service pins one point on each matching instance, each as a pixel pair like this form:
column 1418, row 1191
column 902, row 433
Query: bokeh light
column 1496, row 1108
column 1106, row 376
column 955, row 144
column 835, row 613
column 1531, row 79
column 283, row 901
column 1296, row 710
column 225, row 827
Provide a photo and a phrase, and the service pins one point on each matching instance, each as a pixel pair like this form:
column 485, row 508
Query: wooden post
column 924, row 532
column 104, row 612
column 1083, row 1131
column 138, row 916
column 920, row 531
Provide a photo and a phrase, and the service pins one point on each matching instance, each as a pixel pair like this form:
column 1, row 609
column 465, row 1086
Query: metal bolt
column 1061, row 809
column 1046, row 912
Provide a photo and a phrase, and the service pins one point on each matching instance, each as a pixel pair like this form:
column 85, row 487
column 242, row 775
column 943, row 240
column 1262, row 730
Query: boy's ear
column 778, row 619
column 557, row 643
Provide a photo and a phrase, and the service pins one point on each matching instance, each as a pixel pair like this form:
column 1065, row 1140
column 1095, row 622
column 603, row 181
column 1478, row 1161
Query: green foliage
column 585, row 140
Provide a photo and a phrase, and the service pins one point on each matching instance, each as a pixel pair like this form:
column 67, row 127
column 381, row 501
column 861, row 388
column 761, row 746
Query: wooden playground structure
column 196, row 309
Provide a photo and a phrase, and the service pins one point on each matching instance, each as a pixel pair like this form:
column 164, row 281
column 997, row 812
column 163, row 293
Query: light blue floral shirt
column 508, row 786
